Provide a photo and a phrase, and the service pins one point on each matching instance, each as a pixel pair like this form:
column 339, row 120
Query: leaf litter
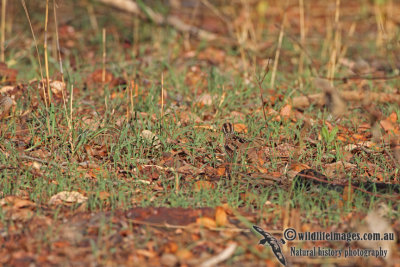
column 150, row 199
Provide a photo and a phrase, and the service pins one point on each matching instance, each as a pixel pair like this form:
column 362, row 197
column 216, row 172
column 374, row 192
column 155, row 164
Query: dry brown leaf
column 248, row 197
column 103, row 195
column 387, row 125
column 221, row 170
column 221, row 218
column 170, row 247
column 205, row 100
column 57, row 87
column 16, row 202
column 338, row 168
column 240, row 128
column 203, row 185
column 151, row 138
column 286, row 112
column 213, row 55
column 393, row 117
column 196, row 77
column 206, row 222
column 7, row 74
column 17, row 208
column 188, row 117
column 66, row 197
column 184, row 254
column 169, row 260
column 298, row 167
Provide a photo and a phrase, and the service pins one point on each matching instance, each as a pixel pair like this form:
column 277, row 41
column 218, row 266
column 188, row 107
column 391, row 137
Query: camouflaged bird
column 236, row 147
column 5, row 105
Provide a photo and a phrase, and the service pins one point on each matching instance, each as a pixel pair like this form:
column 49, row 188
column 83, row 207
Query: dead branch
column 318, row 99
column 133, row 8
column 224, row 255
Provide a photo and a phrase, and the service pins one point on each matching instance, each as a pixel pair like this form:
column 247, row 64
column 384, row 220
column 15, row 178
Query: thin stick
column 69, row 119
column 176, row 182
column 129, row 107
column 58, row 43
column 131, row 99
column 71, row 126
column 103, row 73
column 133, row 8
column 135, row 47
column 259, row 83
column 37, row 50
column 3, row 28
column 223, row 256
column 379, row 24
column 336, row 46
column 46, row 60
column 278, row 50
column 92, row 16
column 162, row 94
column 128, row 94
column 302, row 41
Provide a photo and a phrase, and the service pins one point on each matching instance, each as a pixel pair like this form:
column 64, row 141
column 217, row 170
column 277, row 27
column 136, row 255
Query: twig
column 302, row 41
column 92, row 16
column 133, row 8
column 46, row 60
column 224, row 255
column 336, row 45
column 342, row 185
column 278, row 49
column 3, row 28
column 215, row 10
column 264, row 177
column 358, row 77
column 58, row 44
column 46, row 162
column 162, row 94
column 70, row 120
column 103, row 72
column 37, row 50
column 318, row 99
column 314, row 63
column 259, row 83
column 189, row 226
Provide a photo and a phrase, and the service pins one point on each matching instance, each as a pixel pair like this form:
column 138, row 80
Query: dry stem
column 3, row 28
column 278, row 49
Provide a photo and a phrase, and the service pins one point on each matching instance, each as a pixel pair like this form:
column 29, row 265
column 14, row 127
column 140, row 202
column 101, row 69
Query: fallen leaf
column 298, row 167
column 187, row 117
column 286, row 112
column 204, row 100
column 169, row 260
column 151, row 138
column 66, row 197
column 213, row 55
column 7, row 74
column 103, row 195
column 387, row 125
column 203, row 185
column 240, row 128
column 221, row 218
column 206, row 222
column 221, row 170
